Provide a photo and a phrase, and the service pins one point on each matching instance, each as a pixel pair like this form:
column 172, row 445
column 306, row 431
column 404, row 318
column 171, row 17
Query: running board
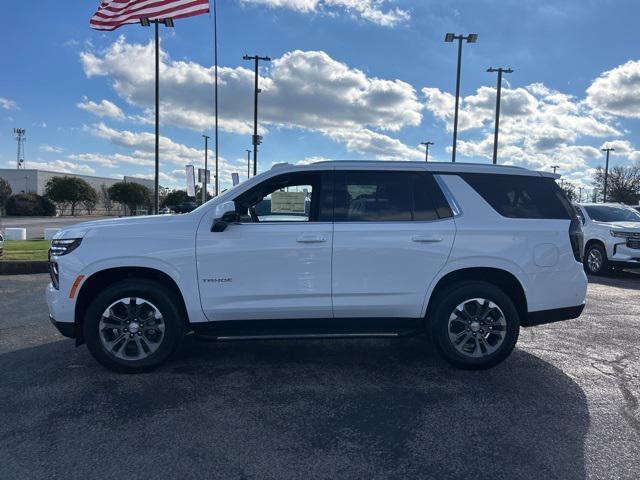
column 300, row 336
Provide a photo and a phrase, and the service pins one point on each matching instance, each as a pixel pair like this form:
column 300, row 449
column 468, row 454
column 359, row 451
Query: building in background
column 26, row 180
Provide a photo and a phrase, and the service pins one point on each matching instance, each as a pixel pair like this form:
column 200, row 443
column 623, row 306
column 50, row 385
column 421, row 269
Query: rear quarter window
column 522, row 196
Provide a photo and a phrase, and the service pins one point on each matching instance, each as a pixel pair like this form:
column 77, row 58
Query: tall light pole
column 606, row 173
column 256, row 139
column 248, row 163
column 497, row 123
column 579, row 194
column 555, row 167
column 204, row 180
column 450, row 37
column 426, row 150
column 215, row 89
column 168, row 22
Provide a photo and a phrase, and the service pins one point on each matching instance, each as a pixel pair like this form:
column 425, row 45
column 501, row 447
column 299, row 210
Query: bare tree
column 105, row 199
column 623, row 184
column 569, row 190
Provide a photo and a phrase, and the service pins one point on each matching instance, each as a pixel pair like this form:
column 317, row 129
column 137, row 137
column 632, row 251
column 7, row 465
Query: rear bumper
column 550, row 316
column 67, row 329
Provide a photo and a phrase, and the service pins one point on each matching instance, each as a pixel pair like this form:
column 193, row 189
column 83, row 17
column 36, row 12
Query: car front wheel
column 475, row 325
column 596, row 261
column 133, row 325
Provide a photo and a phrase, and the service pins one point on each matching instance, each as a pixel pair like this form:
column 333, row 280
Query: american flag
column 112, row 14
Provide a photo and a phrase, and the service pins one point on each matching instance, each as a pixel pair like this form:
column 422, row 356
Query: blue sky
column 349, row 79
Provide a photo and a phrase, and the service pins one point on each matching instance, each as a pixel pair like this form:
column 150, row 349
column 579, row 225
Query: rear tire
column 133, row 325
column 474, row 325
column 596, row 261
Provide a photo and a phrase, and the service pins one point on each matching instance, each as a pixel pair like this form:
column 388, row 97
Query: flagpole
column 156, row 200
column 215, row 58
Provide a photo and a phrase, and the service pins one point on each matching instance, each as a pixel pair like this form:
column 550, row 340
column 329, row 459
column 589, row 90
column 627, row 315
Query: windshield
column 602, row 213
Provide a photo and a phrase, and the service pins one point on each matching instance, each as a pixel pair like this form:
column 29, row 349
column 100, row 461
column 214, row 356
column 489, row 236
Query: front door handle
column 311, row 239
column 426, row 238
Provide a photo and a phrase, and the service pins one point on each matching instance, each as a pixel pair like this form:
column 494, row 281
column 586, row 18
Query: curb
column 22, row 267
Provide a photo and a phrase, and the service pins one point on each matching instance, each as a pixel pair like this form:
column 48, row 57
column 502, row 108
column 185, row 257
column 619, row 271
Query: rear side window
column 386, row 196
column 522, row 196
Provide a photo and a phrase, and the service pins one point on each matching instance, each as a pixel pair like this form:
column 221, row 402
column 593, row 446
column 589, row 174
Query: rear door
column 393, row 232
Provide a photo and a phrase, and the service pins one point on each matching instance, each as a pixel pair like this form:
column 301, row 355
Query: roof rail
column 280, row 165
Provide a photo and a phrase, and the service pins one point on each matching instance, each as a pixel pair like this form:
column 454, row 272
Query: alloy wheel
column 131, row 328
column 477, row 327
column 594, row 260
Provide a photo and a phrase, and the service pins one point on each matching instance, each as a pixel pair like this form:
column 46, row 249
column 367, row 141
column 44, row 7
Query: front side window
column 286, row 198
column 386, row 196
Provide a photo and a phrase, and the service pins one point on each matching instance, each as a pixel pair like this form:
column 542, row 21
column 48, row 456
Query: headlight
column 64, row 246
column 618, row 234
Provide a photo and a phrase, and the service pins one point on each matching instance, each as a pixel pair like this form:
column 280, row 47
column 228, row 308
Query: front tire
column 475, row 325
column 596, row 261
column 133, row 325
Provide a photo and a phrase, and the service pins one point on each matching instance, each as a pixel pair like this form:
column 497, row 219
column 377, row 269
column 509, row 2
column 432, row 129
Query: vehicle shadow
column 290, row 409
column 629, row 279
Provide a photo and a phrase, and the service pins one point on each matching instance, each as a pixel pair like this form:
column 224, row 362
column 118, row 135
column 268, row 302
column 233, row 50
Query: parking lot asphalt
column 563, row 406
column 35, row 225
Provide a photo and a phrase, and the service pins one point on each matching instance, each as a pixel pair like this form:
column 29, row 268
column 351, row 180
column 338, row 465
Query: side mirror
column 225, row 215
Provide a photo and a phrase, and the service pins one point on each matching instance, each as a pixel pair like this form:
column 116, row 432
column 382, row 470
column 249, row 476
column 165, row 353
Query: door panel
column 384, row 269
column 266, row 271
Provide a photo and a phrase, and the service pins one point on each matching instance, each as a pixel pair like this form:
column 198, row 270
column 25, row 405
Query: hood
column 626, row 226
column 130, row 224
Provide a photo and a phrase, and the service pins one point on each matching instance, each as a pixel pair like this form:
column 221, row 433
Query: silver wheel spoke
column 477, row 327
column 124, row 330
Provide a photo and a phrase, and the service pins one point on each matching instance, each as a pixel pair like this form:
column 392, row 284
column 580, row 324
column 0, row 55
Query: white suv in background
column 467, row 252
column 611, row 236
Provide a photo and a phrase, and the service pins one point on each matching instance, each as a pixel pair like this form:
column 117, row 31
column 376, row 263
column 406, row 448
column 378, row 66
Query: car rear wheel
column 475, row 325
column 596, row 261
column 133, row 326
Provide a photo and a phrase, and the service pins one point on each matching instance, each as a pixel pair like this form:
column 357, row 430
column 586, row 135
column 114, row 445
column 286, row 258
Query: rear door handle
column 426, row 238
column 311, row 239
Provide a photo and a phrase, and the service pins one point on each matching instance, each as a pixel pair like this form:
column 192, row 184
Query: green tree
column 105, row 199
column 69, row 191
column 5, row 193
column 30, row 204
column 175, row 198
column 130, row 194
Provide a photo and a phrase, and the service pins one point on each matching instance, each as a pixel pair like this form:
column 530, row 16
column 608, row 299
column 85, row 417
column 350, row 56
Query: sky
column 349, row 79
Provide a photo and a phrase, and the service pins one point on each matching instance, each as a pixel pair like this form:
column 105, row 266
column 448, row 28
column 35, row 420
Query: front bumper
column 550, row 316
column 67, row 329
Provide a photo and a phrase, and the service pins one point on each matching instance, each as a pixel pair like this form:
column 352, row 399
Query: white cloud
column 62, row 166
column 7, row 104
column 301, row 89
column 50, row 149
column 617, row 91
column 103, row 109
column 539, row 127
column 370, row 10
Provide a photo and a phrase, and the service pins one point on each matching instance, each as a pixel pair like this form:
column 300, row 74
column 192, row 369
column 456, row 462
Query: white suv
column 611, row 236
column 467, row 252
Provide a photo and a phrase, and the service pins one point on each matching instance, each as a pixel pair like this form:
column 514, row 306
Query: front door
column 393, row 232
column 276, row 263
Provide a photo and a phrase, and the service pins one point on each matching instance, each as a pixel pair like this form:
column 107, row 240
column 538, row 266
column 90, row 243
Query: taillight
column 576, row 238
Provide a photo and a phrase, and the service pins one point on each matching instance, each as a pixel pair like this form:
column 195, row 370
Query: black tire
column 589, row 266
column 467, row 291
column 162, row 298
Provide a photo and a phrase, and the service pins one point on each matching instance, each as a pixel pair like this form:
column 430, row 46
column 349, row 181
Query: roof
column 442, row 167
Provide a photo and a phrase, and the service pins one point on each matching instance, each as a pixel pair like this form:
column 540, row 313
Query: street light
column 256, row 139
column 606, row 173
column 426, row 150
column 497, row 122
column 450, row 37
column 168, row 22
column 555, row 167
column 248, row 163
